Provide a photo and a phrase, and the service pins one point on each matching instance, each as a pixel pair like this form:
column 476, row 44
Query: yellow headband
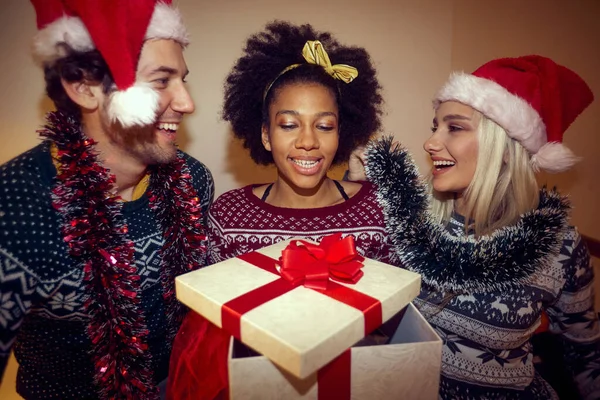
column 314, row 53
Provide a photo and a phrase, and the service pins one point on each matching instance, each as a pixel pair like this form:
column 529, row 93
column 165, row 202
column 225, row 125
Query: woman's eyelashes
column 326, row 128
column 321, row 127
column 451, row 128
column 287, row 127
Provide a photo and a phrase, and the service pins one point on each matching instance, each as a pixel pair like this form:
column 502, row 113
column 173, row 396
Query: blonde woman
column 494, row 251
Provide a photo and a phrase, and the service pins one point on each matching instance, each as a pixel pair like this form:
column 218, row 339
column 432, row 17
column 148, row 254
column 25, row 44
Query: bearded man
column 98, row 219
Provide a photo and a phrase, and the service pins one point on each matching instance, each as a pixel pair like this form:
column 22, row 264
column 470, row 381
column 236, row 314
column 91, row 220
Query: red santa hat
column 534, row 99
column 117, row 29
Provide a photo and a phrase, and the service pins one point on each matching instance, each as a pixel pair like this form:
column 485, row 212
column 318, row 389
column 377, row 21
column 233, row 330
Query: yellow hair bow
column 314, row 53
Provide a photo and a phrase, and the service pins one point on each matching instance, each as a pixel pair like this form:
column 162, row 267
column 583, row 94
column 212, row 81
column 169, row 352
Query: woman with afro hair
column 300, row 100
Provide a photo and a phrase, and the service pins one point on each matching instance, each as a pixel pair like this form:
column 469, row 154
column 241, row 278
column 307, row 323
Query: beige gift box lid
column 301, row 330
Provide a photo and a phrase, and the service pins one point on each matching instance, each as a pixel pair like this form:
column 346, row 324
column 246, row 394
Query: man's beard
column 141, row 142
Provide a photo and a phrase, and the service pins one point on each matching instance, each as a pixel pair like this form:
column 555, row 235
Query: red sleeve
column 198, row 366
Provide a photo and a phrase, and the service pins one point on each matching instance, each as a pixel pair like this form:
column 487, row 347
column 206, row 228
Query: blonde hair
column 503, row 186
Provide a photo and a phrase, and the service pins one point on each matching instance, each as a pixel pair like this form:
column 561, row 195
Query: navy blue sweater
column 41, row 287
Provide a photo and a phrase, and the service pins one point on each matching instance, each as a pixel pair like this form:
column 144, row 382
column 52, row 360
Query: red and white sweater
column 240, row 222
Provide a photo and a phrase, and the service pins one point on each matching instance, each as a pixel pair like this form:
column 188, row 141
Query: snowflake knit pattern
column 42, row 317
column 240, row 222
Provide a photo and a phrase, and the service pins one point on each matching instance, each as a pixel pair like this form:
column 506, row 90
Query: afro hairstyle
column 264, row 58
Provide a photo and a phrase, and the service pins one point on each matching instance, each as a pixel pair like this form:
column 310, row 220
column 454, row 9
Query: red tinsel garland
column 178, row 209
column 96, row 233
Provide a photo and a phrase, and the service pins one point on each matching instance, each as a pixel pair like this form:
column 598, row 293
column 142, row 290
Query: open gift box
column 401, row 360
column 297, row 328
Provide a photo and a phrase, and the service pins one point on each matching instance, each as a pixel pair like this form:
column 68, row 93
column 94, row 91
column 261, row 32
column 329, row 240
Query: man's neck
column 127, row 172
column 127, row 169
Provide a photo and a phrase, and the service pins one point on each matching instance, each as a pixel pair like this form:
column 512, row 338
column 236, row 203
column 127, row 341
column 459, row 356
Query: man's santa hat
column 117, row 29
column 532, row 98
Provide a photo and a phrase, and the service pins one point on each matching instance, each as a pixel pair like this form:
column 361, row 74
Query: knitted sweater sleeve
column 385, row 253
column 574, row 319
column 17, row 287
column 220, row 247
column 204, row 184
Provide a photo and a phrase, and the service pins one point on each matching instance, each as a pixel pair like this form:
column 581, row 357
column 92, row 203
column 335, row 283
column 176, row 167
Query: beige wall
column 566, row 31
column 22, row 103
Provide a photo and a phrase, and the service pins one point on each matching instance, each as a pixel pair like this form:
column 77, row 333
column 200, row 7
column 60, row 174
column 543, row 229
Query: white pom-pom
column 136, row 106
column 553, row 157
column 518, row 118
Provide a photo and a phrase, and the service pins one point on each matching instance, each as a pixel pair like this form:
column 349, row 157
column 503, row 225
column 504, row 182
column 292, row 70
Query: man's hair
column 75, row 66
column 503, row 186
column 267, row 54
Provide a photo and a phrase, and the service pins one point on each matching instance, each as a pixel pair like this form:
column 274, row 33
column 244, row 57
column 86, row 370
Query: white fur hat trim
column 520, row 120
column 166, row 23
column 47, row 42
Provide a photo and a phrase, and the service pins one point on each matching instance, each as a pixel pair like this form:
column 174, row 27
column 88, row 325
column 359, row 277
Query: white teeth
column 305, row 163
column 443, row 163
column 168, row 127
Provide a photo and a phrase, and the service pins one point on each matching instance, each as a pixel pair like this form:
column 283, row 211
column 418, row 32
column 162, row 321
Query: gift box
column 299, row 328
column 406, row 366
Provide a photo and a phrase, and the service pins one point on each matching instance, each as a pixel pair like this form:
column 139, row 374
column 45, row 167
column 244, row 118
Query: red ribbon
column 314, row 265
column 334, row 378
column 232, row 311
column 341, row 262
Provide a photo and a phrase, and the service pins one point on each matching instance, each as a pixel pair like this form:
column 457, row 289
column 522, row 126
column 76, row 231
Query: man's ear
column 265, row 137
column 84, row 94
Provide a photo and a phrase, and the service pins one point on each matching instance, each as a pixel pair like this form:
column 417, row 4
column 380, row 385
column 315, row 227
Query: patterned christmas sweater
column 487, row 352
column 485, row 296
column 240, row 222
column 42, row 317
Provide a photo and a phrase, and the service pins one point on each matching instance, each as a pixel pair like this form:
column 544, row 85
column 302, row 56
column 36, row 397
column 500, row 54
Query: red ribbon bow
column 313, row 265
